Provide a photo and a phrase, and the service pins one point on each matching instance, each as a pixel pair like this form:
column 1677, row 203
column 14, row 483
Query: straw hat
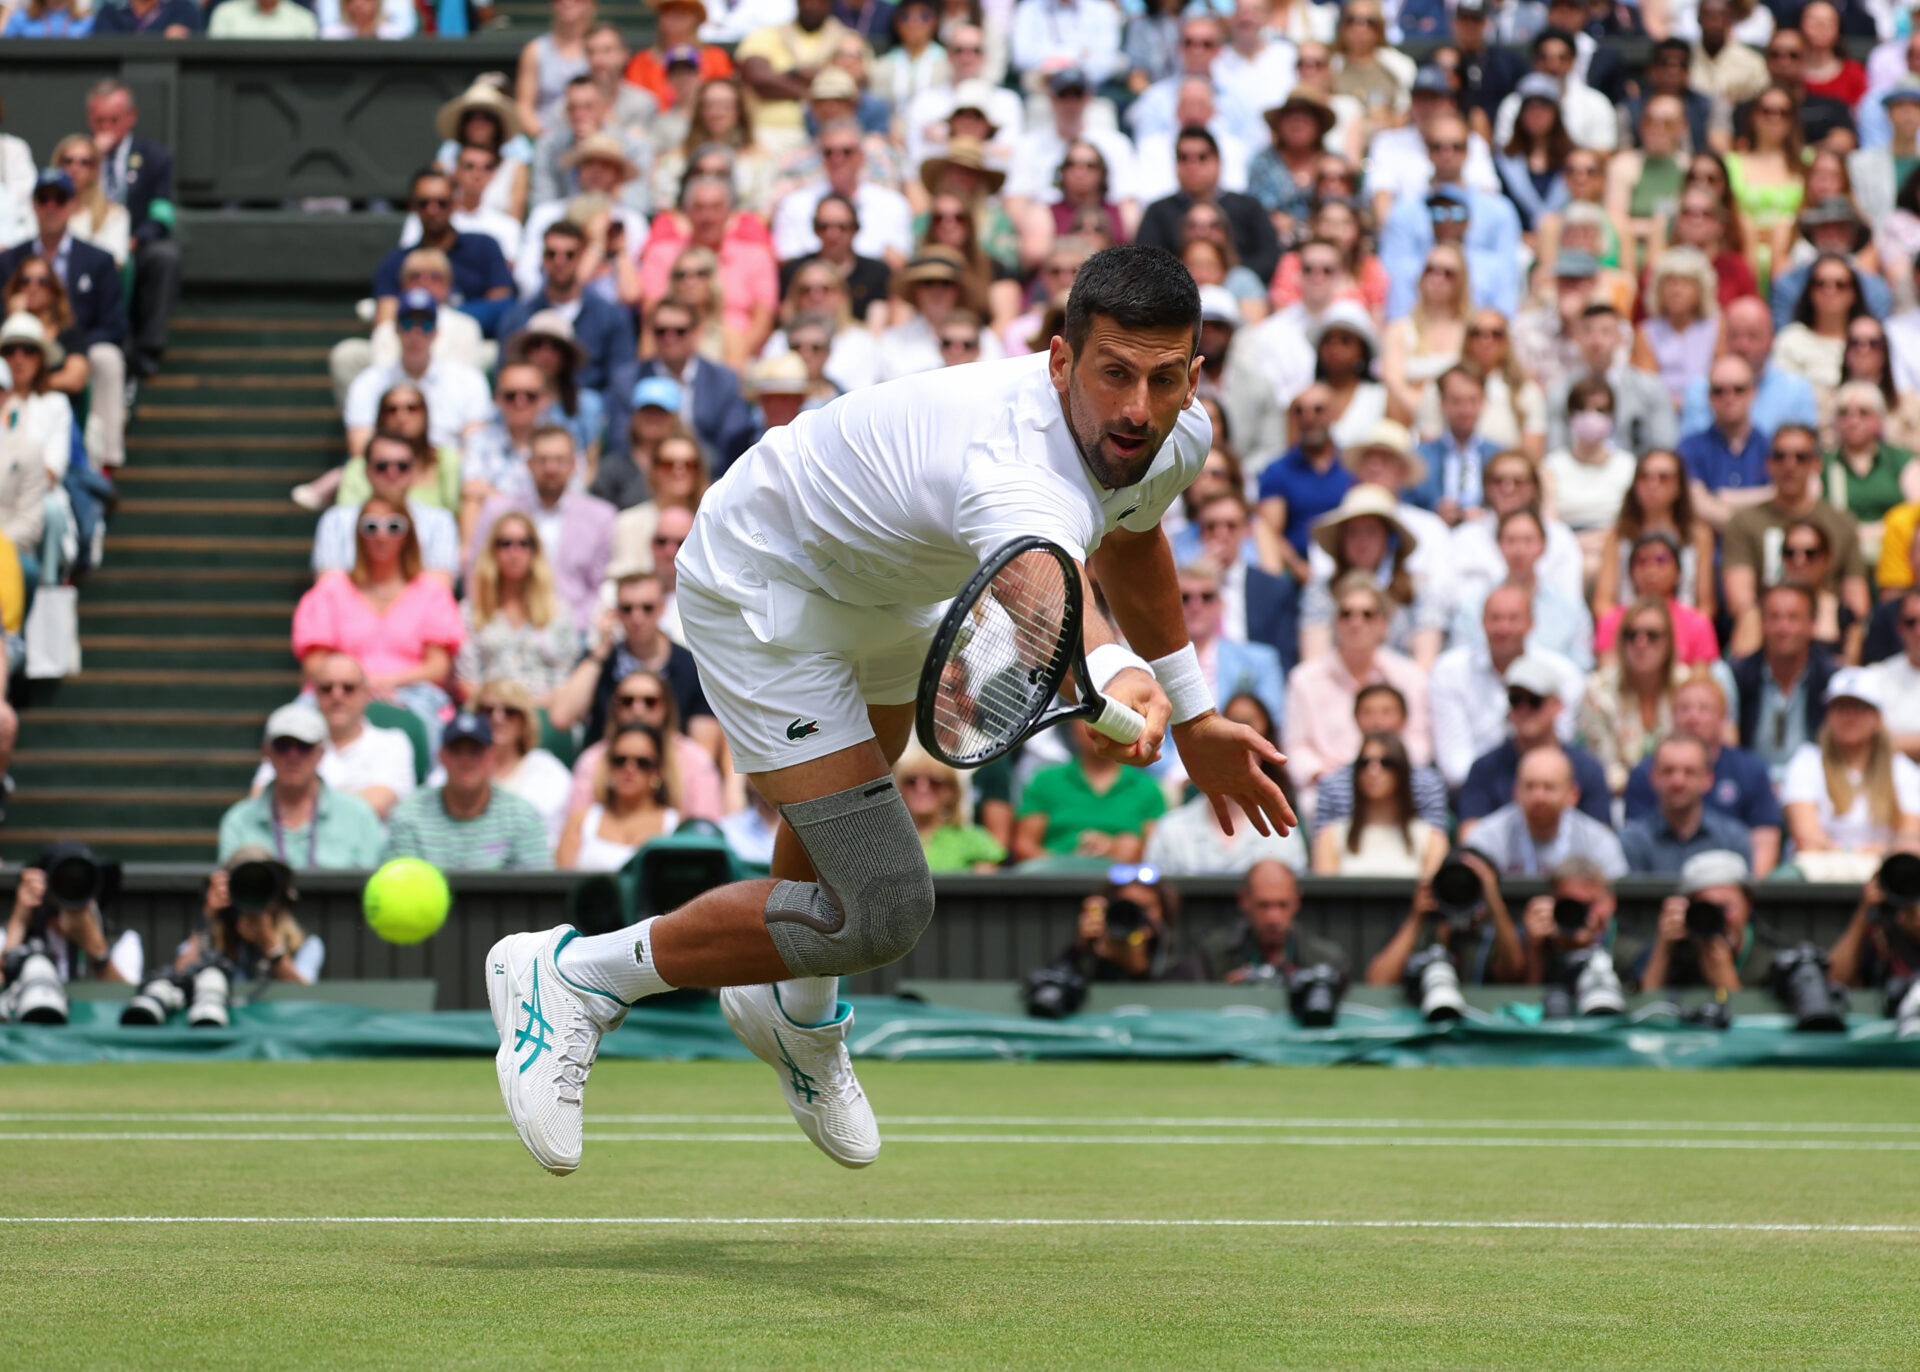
column 1301, row 100
column 833, row 83
column 961, row 152
column 782, row 375
column 606, row 147
column 1361, row 502
column 936, row 262
column 1389, row 437
column 483, row 94
column 552, row 324
column 22, row 327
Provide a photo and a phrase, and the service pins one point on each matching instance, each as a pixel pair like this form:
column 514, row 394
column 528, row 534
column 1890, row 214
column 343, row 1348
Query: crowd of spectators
column 1562, row 500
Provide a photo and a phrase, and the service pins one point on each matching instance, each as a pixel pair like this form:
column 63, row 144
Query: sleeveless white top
column 604, row 855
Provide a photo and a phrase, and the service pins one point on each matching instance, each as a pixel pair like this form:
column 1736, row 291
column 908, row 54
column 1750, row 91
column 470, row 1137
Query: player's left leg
column 799, row 1026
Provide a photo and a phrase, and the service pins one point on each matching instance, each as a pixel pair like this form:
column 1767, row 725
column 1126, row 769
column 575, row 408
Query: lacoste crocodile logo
column 802, row 728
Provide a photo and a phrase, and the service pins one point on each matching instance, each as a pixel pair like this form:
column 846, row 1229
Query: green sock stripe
column 565, row 939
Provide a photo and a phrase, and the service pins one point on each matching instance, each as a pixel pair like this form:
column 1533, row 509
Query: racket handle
column 1118, row 722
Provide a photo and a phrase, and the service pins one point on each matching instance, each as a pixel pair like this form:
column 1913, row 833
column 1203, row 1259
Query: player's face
column 1123, row 393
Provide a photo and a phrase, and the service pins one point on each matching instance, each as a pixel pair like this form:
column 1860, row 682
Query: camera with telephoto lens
column 1054, row 991
column 1585, row 984
column 1903, row 1006
column 1313, row 994
column 205, row 992
column 1570, row 915
column 34, row 993
column 1899, row 878
column 1433, row 985
column 1706, row 919
column 1818, row 1006
column 1458, row 893
column 1127, row 922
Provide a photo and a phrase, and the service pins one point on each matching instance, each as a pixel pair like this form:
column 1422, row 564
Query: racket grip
column 1118, row 722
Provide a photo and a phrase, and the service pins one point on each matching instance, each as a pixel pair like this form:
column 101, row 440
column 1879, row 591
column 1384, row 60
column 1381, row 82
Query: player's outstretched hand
column 1140, row 692
column 1223, row 759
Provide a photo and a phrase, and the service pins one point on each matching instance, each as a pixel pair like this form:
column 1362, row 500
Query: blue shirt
column 1740, row 789
column 1781, row 398
column 478, row 267
column 1309, row 494
column 120, row 19
column 1654, row 848
column 1492, row 248
column 1489, row 783
column 1714, row 464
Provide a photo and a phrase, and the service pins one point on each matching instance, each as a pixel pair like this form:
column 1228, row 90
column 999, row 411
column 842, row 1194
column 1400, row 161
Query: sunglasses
column 416, row 323
column 620, row 762
column 336, row 688
column 1199, row 597
column 1910, row 622
column 78, row 160
column 645, row 702
column 432, row 202
column 843, row 225
column 1450, row 214
column 19, row 350
column 520, row 397
column 1354, row 613
column 293, row 745
column 691, row 273
column 1083, row 163
column 663, row 541
column 497, row 711
column 1479, row 332
column 835, row 154
column 640, row 607
column 1524, row 700
column 1832, row 283
column 1740, row 388
column 37, row 279
column 1802, row 554
column 1644, row 636
column 1796, row 456
column 1435, row 269
column 502, row 544
column 1448, row 146
column 559, row 254
column 394, row 526
column 385, row 465
column 1867, row 341
column 962, row 344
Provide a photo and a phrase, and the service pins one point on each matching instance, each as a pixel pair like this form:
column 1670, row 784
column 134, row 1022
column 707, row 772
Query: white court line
column 1010, row 1121
column 700, row 1221
column 1177, row 1140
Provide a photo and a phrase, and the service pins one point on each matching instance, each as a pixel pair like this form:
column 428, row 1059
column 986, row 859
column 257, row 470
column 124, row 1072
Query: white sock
column 808, row 1001
column 619, row 964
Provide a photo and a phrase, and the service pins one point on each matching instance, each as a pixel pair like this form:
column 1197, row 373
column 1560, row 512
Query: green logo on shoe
column 803, row 1086
column 534, row 1017
column 802, row 728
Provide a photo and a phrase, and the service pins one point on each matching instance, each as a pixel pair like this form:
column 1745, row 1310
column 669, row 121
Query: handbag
column 53, row 633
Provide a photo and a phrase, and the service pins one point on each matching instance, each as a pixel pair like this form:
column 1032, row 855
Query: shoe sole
column 807, row 1126
column 502, row 990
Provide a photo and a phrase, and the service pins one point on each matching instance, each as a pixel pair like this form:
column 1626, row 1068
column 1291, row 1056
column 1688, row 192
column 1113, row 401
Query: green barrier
column 902, row 1029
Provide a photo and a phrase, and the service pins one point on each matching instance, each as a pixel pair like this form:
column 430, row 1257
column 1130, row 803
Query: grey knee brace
column 874, row 896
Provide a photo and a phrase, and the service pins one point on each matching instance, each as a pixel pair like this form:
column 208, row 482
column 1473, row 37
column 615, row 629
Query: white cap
column 1715, row 867
column 1217, row 305
column 1534, row 674
column 1857, row 683
column 299, row 721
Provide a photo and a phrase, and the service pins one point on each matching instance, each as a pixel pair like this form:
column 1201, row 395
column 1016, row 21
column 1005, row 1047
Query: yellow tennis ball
column 406, row 901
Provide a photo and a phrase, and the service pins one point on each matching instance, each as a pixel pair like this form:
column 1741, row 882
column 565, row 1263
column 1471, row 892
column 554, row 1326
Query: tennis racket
column 1006, row 647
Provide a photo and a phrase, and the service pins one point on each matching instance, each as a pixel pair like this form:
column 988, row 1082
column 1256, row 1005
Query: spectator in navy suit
column 1456, row 459
column 715, row 410
column 139, row 175
column 604, row 330
column 482, row 280
column 1231, row 668
column 91, row 279
column 1256, row 606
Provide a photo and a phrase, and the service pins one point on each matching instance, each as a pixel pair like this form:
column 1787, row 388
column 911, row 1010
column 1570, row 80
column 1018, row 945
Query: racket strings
column 1003, row 671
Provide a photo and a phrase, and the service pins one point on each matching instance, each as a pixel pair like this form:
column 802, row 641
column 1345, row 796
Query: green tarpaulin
column 890, row 1028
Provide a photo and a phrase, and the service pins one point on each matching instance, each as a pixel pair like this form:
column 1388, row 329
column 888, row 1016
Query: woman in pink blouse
column 403, row 627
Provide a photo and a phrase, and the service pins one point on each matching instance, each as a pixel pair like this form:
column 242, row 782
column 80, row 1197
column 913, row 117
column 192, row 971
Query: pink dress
column 1693, row 634
column 749, row 272
column 335, row 615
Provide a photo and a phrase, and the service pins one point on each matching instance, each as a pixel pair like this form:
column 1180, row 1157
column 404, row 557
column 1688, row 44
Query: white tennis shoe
column 816, row 1075
column 550, row 1032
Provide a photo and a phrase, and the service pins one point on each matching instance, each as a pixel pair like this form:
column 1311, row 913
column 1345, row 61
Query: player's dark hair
column 1137, row 288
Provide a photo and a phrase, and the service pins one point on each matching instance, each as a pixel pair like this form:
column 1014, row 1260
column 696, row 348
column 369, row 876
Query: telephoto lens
column 1433, row 985
column 153, row 1002
column 1800, row 981
column 1899, row 879
column 36, row 993
column 208, row 1006
column 1596, row 985
column 1313, row 995
column 1458, row 892
column 1903, row 1006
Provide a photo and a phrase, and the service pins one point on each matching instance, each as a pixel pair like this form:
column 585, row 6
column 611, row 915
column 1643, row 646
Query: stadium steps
column 184, row 628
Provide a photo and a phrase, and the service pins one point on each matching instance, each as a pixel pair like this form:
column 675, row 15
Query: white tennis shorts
column 789, row 672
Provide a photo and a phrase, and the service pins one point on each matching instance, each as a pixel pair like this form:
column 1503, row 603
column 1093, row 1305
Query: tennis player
column 809, row 590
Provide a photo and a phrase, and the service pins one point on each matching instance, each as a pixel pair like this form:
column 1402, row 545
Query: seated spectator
column 1319, row 732
column 746, row 280
column 520, row 764
column 1536, row 716
column 482, row 116
column 1426, row 342
column 494, row 460
column 468, row 824
column 713, row 406
column 1581, row 881
column 1829, row 227
column 435, row 471
column 164, row 18
column 1541, row 827
column 1782, row 688
column 517, row 628
column 358, row 758
column 96, row 219
column 1472, row 562
column 1629, row 708
column 677, row 25
column 305, row 822
column 36, row 444
column 1869, row 360
column 275, row 19
column 1456, row 459
column 646, row 697
column 750, row 832
column 1813, row 346
column 1469, row 687
column 35, row 289
column 265, row 944
column 677, row 476
column 1383, row 836
column 936, row 797
column 456, row 335
column 1256, row 606
column 475, row 172
column 818, row 292
column 1661, row 843
column 1899, row 671
column 621, row 480
column 1806, row 559
column 482, row 281
column 1849, row 792
column 1206, row 246
column 932, row 289
column 1591, row 476
column 1197, row 170
column 1653, row 568
column 1740, row 789
column 1138, row 945
column 1865, row 475
column 1487, row 950
column 719, row 115
column 1484, row 224
column 546, row 341
column 1344, row 343
column 1773, row 396
column 1642, row 411
column 1380, row 709
column 559, row 151
column 1750, row 555
column 1679, row 957
column 1305, row 482
column 1231, row 667
column 361, row 19
column 389, row 464
column 1561, row 622
column 1089, row 807
column 1267, row 941
column 576, row 529
column 885, row 217
column 1682, row 329
column 631, row 806
column 398, row 620
column 1660, row 500
column 456, row 394
column 1365, row 539
column 964, row 213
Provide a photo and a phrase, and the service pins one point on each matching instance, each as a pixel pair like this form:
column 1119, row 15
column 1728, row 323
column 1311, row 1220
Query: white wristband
column 1185, row 684
column 1108, row 661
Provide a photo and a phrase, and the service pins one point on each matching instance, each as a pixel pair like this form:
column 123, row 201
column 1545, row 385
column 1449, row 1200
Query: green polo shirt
column 507, row 836
column 1072, row 807
column 345, row 832
column 956, row 847
column 1867, row 498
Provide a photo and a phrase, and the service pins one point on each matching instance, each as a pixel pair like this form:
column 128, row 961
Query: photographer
column 1470, row 922
column 1266, row 942
column 247, row 922
column 1881, row 942
column 56, row 934
column 1706, row 935
column 1576, row 914
column 1125, row 933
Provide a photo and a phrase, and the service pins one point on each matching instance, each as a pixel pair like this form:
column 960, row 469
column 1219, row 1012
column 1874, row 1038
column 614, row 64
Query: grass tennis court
column 1159, row 1148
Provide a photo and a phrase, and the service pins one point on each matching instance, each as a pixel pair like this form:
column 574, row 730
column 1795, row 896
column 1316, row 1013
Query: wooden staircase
column 185, row 628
